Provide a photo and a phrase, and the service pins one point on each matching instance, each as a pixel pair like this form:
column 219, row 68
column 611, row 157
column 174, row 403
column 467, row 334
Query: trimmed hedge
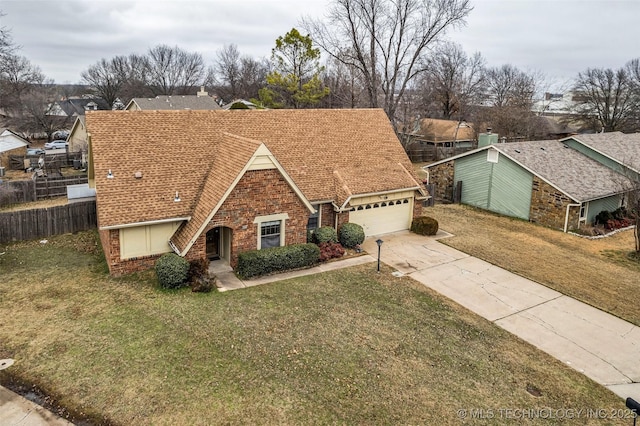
column 172, row 270
column 325, row 234
column 424, row 225
column 351, row 234
column 261, row 262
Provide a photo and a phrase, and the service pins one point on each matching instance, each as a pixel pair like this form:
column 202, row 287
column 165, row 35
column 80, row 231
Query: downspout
column 566, row 216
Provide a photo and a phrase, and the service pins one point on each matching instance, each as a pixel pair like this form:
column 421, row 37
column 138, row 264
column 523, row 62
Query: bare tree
column 386, row 41
column 173, row 71
column 345, row 86
column 510, row 87
column 453, row 81
column 38, row 112
column 508, row 103
column 606, row 100
column 238, row 76
column 7, row 47
column 228, row 70
column 106, row 78
column 17, row 77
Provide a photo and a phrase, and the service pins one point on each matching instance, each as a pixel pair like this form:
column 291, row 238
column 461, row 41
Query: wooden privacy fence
column 47, row 187
column 17, row 162
column 39, row 223
column 19, row 191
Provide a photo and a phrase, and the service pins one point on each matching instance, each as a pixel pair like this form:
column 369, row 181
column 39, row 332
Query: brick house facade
column 259, row 193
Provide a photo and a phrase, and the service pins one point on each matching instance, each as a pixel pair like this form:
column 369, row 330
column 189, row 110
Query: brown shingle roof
column 175, row 151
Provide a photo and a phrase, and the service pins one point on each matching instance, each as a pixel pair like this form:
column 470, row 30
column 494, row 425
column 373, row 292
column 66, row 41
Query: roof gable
column 234, row 156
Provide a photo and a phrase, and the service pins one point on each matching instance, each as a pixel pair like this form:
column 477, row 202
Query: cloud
column 559, row 37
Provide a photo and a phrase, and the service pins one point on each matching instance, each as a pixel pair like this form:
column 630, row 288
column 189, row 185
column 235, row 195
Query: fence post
column 457, row 192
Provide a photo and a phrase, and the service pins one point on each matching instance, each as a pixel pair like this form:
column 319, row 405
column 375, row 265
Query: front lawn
column 348, row 347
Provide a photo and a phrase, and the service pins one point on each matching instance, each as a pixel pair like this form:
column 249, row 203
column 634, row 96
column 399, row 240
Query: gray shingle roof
column 624, row 148
column 177, row 103
column 578, row 176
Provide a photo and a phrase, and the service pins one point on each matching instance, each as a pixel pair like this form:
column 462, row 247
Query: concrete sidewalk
column 597, row 344
column 16, row 410
column 227, row 280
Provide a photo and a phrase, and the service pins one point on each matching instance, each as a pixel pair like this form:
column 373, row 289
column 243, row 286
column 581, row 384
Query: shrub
column 603, row 217
column 198, row 268
column 203, row 284
column 325, row 234
column 351, row 234
column 424, row 225
column 330, row 251
column 261, row 262
column 172, row 270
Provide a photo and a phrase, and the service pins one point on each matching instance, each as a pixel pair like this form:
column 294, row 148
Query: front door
column 213, row 243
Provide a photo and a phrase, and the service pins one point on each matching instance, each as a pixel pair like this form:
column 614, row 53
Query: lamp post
column 379, row 243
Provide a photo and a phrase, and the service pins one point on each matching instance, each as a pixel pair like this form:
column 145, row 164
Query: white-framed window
column 314, row 219
column 271, row 230
column 583, row 211
column 270, row 234
column 492, row 155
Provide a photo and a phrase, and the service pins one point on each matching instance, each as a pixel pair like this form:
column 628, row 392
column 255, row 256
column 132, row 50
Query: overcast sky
column 557, row 37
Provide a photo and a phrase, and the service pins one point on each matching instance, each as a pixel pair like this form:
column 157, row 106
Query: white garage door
column 384, row 217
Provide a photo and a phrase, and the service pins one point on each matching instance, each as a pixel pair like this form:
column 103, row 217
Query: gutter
column 150, row 222
column 566, row 216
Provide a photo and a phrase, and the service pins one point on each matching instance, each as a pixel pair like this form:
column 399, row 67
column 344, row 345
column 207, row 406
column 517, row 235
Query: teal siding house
column 562, row 184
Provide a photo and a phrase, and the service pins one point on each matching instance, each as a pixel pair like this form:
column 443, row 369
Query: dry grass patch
column 597, row 272
column 348, row 347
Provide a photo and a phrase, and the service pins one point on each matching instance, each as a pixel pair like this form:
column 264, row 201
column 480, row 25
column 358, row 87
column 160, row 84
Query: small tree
column 295, row 81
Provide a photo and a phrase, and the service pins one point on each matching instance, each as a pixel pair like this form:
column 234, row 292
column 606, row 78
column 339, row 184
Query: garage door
column 384, row 217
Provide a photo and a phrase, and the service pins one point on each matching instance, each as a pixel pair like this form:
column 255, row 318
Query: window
column 270, row 230
column 583, row 211
column 314, row 219
column 492, row 156
column 270, row 234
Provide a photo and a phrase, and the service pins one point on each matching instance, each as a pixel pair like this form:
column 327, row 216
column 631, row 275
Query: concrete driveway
column 597, row 344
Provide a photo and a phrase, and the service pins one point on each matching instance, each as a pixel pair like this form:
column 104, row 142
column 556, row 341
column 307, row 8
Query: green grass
column 349, row 347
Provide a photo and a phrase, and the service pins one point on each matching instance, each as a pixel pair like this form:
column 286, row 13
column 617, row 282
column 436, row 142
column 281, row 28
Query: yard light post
column 379, row 243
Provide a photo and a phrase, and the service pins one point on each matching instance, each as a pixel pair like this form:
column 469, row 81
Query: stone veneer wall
column 442, row 176
column 258, row 193
column 549, row 206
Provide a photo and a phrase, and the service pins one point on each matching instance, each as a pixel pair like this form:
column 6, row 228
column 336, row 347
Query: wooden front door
column 213, row 243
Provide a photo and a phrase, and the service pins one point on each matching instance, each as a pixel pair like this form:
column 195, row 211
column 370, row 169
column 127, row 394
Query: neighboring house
column 75, row 107
column 211, row 184
column 78, row 138
column 432, row 139
column 547, row 182
column 240, row 104
column 200, row 101
column 11, row 144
